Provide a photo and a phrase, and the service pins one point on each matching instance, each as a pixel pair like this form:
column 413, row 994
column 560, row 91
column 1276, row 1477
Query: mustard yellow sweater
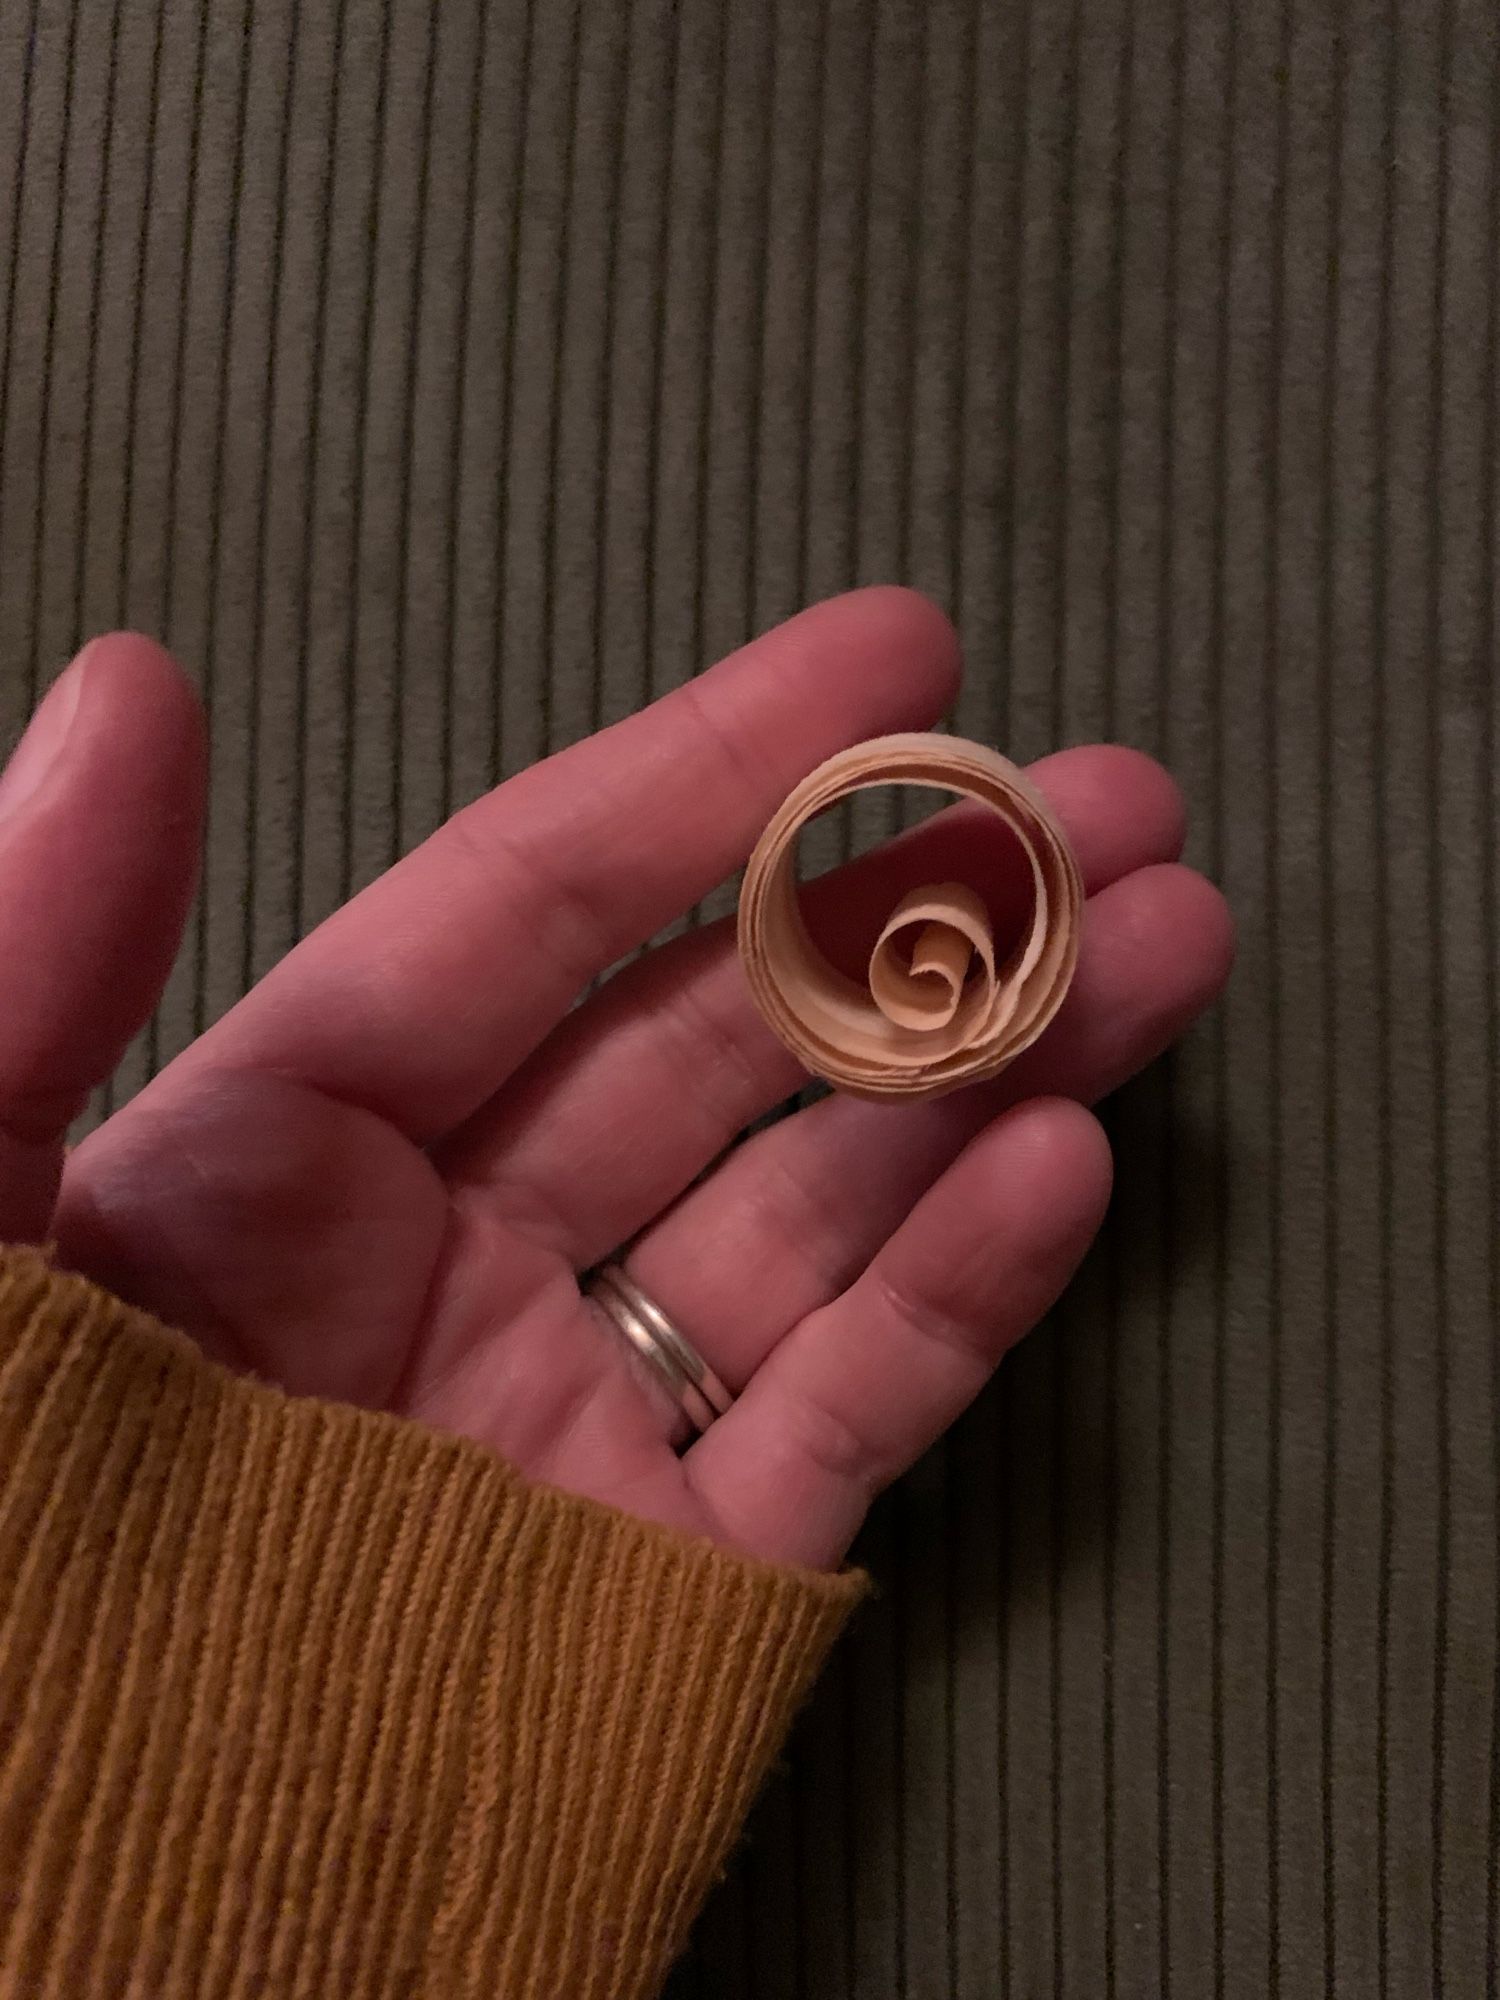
column 297, row 1699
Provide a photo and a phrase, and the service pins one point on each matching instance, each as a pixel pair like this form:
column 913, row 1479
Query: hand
column 378, row 1177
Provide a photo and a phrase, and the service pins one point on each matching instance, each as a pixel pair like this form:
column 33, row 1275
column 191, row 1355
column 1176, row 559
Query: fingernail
column 37, row 751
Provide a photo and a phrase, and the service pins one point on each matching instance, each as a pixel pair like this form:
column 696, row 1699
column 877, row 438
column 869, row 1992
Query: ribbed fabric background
column 443, row 377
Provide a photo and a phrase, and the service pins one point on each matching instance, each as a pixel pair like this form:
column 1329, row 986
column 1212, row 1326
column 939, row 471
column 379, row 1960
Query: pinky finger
column 864, row 1385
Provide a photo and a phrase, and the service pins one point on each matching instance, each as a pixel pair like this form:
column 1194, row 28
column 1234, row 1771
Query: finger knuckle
column 835, row 1447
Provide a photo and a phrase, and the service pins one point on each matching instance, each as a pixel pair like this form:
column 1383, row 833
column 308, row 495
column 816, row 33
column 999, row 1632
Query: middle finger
column 640, row 1090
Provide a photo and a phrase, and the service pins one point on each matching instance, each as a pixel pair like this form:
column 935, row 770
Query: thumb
column 101, row 809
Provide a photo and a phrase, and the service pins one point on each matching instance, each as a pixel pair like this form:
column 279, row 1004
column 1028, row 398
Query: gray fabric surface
column 443, row 377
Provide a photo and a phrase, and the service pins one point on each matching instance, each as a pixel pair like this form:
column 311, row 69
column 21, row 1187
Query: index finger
column 420, row 996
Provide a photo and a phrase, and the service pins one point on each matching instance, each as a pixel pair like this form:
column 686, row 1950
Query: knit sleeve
column 297, row 1699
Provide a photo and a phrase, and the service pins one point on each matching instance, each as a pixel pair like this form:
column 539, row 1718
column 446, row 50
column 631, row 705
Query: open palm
column 380, row 1177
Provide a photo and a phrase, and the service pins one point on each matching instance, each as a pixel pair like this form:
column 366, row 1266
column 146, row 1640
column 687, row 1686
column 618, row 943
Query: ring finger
column 791, row 1218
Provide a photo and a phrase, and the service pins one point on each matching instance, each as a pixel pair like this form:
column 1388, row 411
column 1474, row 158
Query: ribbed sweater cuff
column 300, row 1699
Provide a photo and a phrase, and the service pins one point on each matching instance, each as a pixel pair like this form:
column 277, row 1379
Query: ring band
column 692, row 1383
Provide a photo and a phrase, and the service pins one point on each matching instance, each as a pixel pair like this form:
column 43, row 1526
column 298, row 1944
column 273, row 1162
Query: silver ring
column 692, row 1383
